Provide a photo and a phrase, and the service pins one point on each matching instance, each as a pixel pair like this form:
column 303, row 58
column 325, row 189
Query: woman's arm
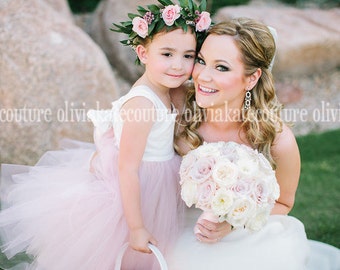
column 286, row 153
column 131, row 152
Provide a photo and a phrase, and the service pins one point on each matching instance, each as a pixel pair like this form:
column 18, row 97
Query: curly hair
column 262, row 121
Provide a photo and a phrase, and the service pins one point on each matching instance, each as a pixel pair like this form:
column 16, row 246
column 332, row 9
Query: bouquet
column 230, row 182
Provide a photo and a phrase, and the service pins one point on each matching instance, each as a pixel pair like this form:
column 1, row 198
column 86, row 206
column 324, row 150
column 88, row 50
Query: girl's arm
column 286, row 153
column 132, row 146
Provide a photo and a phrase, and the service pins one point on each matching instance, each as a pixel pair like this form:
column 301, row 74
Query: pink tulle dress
column 68, row 217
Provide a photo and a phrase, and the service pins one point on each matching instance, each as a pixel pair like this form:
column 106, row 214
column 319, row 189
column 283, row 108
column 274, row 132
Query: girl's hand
column 139, row 239
column 212, row 232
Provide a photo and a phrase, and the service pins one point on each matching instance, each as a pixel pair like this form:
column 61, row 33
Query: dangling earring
column 247, row 100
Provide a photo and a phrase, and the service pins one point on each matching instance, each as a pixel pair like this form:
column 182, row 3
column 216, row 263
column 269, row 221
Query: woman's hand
column 211, row 232
column 139, row 239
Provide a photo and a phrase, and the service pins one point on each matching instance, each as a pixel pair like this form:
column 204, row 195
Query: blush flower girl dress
column 66, row 213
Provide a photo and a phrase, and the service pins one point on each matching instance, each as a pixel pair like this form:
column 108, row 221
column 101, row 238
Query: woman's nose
column 204, row 74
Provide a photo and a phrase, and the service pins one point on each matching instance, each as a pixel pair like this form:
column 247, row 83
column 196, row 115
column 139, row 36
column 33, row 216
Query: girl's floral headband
column 167, row 15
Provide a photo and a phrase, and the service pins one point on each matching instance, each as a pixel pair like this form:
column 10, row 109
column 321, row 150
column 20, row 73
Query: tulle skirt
column 68, row 217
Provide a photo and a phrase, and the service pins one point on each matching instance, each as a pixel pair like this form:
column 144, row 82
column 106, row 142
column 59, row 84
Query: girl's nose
column 177, row 63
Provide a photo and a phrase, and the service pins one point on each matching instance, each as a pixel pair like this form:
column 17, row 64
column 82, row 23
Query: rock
column 308, row 39
column 62, row 7
column 51, row 73
column 288, row 92
column 122, row 58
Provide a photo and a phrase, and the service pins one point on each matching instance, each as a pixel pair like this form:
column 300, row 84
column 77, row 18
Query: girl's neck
column 162, row 92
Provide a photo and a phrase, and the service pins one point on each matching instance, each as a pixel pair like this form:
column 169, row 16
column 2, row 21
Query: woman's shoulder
column 285, row 142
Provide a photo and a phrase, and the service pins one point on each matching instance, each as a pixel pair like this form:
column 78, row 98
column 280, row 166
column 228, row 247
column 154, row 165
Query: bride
column 234, row 91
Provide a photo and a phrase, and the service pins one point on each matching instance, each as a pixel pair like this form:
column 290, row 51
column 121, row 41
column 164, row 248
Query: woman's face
column 219, row 74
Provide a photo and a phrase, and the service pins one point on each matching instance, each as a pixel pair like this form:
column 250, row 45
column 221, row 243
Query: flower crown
column 154, row 18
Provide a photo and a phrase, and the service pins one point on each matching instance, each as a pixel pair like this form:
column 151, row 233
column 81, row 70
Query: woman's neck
column 222, row 129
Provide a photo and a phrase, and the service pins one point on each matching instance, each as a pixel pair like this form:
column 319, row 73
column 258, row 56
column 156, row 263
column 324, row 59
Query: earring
column 247, row 100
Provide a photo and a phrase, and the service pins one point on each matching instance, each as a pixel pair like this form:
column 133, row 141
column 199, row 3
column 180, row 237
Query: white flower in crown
column 170, row 14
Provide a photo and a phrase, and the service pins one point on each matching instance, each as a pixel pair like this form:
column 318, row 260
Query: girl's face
column 219, row 74
column 169, row 58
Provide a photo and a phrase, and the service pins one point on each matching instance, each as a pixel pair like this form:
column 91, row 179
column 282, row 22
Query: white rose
column 222, row 201
column 247, row 166
column 189, row 193
column 208, row 149
column 225, row 173
column 259, row 220
column 241, row 211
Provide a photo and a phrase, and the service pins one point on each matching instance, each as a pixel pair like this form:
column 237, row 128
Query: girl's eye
column 222, row 68
column 189, row 56
column 167, row 54
column 200, row 61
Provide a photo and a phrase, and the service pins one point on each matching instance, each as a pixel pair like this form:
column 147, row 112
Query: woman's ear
column 253, row 78
column 141, row 53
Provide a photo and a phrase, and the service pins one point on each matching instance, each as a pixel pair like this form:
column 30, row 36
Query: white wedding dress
column 280, row 245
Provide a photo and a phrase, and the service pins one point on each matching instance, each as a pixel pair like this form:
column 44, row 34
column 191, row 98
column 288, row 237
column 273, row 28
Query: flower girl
column 76, row 208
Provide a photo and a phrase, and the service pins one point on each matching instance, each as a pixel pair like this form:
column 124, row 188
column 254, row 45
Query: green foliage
column 317, row 202
column 214, row 5
column 83, row 6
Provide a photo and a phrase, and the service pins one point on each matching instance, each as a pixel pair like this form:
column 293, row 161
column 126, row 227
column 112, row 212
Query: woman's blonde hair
column 261, row 121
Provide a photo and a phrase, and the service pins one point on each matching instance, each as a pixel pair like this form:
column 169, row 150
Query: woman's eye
column 200, row 61
column 222, row 68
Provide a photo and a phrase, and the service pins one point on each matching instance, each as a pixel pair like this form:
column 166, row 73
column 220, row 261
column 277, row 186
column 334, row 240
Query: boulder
column 62, row 7
column 308, row 39
column 51, row 73
column 121, row 57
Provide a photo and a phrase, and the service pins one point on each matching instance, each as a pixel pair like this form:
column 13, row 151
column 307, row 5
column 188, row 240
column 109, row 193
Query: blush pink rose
column 205, row 193
column 202, row 169
column 170, row 14
column 204, row 21
column 140, row 26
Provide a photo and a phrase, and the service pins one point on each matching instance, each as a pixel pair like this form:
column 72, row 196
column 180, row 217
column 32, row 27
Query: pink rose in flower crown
column 203, row 22
column 170, row 14
column 140, row 26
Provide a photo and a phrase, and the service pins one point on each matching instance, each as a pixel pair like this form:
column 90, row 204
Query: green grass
column 317, row 202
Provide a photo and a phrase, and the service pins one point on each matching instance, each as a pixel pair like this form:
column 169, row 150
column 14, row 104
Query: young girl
column 75, row 209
